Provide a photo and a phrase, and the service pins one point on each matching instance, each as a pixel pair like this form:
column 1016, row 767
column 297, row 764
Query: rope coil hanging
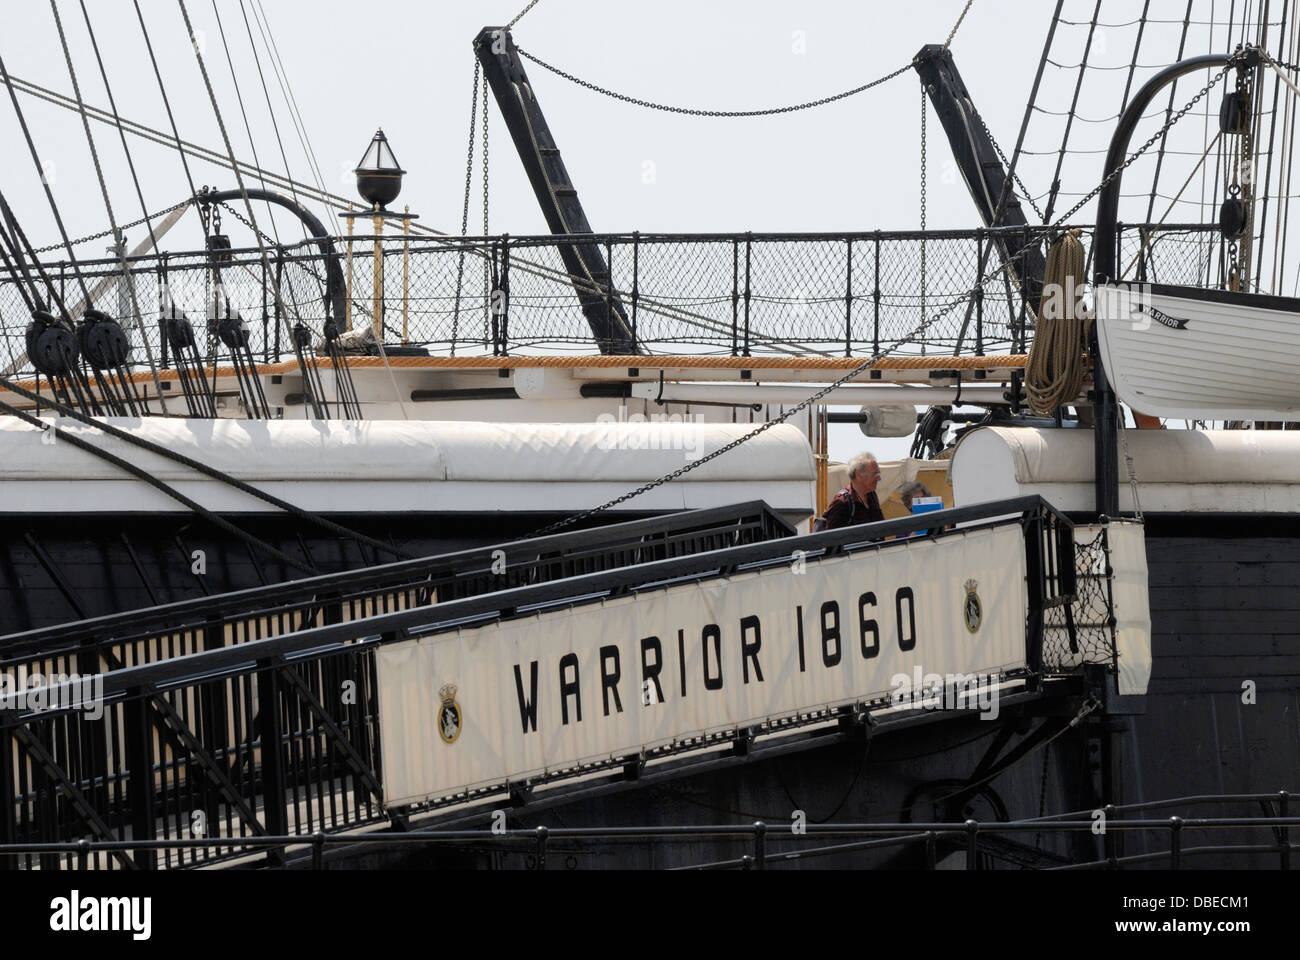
column 1054, row 373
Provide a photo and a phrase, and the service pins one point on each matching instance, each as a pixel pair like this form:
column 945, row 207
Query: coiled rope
column 1054, row 373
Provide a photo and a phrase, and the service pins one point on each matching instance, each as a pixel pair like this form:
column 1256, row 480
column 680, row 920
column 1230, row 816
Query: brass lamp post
column 379, row 181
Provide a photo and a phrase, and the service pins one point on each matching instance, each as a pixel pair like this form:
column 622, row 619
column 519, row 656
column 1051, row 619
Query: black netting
column 705, row 294
column 1082, row 632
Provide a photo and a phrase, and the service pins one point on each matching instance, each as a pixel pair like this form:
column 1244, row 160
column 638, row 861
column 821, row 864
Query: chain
column 520, row 15
column 485, row 158
column 957, row 26
column 923, row 198
column 464, row 210
column 487, row 283
column 1014, row 176
column 693, row 112
column 786, row 415
column 113, row 231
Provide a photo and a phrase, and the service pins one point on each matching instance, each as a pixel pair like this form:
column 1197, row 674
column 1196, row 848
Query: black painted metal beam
column 1105, row 405
column 336, row 286
column 590, row 274
column 977, row 159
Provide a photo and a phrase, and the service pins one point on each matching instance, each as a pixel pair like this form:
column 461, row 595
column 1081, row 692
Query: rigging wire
column 1069, row 123
column 248, row 129
column 291, row 101
column 162, row 89
column 1173, row 91
column 266, row 93
column 248, row 204
column 119, row 244
column 49, row 195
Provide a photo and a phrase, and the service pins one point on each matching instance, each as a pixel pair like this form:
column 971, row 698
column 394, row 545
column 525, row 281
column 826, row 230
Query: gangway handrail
column 194, row 612
column 580, row 590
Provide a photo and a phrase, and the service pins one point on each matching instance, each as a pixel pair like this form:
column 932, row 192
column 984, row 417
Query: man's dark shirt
column 846, row 509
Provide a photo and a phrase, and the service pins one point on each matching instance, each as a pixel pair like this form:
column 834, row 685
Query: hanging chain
column 957, row 26
column 464, row 209
column 485, row 158
column 487, row 282
column 114, row 230
column 1014, row 176
column 520, row 15
column 695, row 112
column 923, row 200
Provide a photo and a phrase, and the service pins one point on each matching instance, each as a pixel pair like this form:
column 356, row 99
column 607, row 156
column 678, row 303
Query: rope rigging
column 115, row 354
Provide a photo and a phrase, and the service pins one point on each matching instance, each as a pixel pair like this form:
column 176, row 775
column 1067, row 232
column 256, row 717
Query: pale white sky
column 852, row 165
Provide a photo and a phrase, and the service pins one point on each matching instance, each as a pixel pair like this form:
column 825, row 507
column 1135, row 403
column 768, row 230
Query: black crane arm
column 585, row 263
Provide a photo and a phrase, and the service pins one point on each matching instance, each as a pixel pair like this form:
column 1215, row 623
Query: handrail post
column 543, row 835
column 1175, row 843
column 505, row 295
column 273, row 781
column 1283, row 806
column 760, row 845
column 735, row 296
column 972, row 848
column 848, row 298
column 875, row 301
column 749, row 242
column 636, row 282
column 931, row 853
column 139, row 762
column 318, row 850
column 1108, row 838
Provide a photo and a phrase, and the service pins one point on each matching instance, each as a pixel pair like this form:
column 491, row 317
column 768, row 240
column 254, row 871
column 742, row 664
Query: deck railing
column 741, row 294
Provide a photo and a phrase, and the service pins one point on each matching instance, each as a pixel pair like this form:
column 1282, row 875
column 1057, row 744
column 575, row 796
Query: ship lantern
column 379, row 177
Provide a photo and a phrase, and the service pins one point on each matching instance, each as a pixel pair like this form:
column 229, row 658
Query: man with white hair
column 856, row 503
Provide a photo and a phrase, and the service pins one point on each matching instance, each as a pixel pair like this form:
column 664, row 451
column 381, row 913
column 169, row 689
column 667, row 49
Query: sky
column 408, row 66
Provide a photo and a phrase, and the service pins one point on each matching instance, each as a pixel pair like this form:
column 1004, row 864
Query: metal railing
column 732, row 294
column 935, row 842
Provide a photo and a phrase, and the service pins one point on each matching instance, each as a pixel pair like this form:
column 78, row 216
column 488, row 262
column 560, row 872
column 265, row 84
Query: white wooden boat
column 1190, row 353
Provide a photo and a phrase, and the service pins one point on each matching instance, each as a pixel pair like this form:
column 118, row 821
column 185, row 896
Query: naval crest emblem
column 450, row 719
column 973, row 610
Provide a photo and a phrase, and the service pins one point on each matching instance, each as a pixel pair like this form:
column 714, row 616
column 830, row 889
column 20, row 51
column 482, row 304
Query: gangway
column 423, row 694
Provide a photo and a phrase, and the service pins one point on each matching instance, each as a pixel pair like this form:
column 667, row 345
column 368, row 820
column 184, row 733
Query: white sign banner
column 524, row 698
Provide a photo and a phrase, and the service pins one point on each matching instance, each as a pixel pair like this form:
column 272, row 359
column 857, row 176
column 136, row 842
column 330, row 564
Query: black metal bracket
column 977, row 159
column 586, row 265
